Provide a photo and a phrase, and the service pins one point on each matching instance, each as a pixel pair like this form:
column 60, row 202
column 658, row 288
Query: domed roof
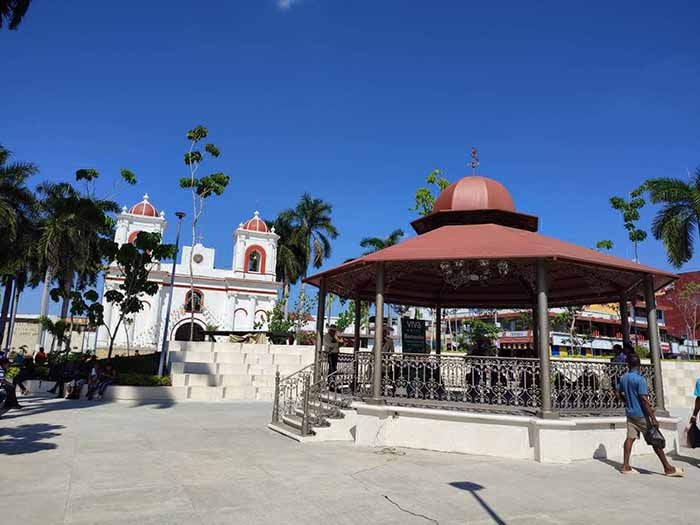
column 472, row 193
column 256, row 224
column 144, row 208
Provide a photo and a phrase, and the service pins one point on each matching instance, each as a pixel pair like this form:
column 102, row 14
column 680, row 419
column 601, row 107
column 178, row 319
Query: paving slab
column 118, row 463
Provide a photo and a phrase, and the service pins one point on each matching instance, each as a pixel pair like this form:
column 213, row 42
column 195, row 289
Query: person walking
column 640, row 416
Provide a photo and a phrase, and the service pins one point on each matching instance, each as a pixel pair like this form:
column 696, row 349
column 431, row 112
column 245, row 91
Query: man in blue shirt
column 640, row 415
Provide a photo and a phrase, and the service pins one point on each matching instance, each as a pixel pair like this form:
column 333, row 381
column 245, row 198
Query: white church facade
column 235, row 299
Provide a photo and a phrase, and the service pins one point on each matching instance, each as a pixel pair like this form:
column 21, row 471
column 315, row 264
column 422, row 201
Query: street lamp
column 164, row 347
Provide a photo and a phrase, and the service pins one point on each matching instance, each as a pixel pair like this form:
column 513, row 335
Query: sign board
column 413, row 336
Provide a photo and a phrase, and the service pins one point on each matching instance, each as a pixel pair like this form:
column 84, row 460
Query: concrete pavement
column 85, row 462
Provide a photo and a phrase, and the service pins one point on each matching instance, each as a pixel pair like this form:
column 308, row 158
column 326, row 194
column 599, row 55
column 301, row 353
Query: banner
column 413, row 336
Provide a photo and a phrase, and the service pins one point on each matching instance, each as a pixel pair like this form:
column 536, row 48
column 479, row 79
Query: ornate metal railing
column 289, row 393
column 494, row 381
column 587, row 386
column 512, row 384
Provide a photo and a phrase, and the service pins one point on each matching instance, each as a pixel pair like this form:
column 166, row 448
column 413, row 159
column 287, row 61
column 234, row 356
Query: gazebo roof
column 488, row 260
column 421, row 270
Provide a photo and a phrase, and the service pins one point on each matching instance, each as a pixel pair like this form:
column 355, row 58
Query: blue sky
column 355, row 102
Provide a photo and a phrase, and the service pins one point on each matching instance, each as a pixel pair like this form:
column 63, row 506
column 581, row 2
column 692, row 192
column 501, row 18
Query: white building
column 235, row 298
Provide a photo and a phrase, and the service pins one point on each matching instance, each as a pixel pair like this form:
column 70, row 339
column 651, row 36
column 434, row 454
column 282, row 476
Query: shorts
column 636, row 426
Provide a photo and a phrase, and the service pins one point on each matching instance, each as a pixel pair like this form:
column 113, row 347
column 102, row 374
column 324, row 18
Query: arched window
column 254, row 261
column 193, row 301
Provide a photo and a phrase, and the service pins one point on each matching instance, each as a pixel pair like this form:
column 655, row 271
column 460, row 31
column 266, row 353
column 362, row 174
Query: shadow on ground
column 27, row 439
column 474, row 488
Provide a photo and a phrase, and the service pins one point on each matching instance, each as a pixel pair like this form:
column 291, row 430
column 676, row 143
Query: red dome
column 256, row 224
column 144, row 208
column 472, row 193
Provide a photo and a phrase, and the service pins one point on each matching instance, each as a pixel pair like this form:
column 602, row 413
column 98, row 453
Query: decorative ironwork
column 579, row 387
column 586, row 386
column 491, row 381
column 479, row 272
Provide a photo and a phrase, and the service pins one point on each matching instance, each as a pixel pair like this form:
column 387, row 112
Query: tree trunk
column 67, row 287
column 285, row 298
column 19, row 285
column 6, row 300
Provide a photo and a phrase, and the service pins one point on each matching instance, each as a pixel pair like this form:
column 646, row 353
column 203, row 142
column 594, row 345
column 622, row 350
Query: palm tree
column 17, row 215
column 290, row 256
column 71, row 230
column 313, row 230
column 13, row 11
column 374, row 244
column 677, row 223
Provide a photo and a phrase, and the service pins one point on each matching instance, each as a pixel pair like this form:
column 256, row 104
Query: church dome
column 256, row 224
column 144, row 208
column 473, row 193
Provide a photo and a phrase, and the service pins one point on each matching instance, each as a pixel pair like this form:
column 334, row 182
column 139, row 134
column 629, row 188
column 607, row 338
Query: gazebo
column 475, row 250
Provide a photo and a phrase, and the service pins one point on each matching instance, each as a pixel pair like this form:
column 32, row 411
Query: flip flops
column 677, row 473
column 628, row 472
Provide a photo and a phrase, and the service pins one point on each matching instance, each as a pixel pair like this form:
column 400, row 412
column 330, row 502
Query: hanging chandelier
column 468, row 273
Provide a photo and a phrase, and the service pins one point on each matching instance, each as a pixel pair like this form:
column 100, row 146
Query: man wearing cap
column 331, row 346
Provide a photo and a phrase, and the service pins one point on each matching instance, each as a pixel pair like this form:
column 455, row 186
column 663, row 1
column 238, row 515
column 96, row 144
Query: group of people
column 69, row 376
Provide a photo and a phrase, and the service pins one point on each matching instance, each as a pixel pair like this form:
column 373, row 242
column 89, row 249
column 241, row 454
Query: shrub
column 133, row 379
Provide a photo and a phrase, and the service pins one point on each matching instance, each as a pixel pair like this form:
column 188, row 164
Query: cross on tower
column 475, row 161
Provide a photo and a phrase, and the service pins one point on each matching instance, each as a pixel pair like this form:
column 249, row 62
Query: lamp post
column 164, row 346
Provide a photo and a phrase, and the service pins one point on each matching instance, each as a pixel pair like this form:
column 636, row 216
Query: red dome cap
column 473, row 193
column 256, row 224
column 144, row 208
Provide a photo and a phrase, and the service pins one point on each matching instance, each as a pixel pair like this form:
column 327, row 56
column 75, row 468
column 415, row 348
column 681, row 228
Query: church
column 235, row 298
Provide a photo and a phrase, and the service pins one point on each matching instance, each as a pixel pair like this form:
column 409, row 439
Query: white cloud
column 286, row 5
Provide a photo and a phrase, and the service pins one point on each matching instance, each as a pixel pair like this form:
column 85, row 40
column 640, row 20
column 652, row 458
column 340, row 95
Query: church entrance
column 183, row 332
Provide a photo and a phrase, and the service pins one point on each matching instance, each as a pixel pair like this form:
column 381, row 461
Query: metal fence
column 588, row 386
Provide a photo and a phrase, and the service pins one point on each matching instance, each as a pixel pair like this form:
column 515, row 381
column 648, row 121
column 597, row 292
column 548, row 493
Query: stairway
column 228, row 371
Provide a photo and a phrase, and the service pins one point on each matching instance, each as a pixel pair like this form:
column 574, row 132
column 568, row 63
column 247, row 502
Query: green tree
column 134, row 261
column 290, row 255
column 687, row 302
column 313, row 230
column 566, row 319
column 12, row 12
column 200, row 188
column 604, row 245
column 71, row 230
column 17, row 228
column 677, row 222
column 630, row 215
column 425, row 200
column 478, row 337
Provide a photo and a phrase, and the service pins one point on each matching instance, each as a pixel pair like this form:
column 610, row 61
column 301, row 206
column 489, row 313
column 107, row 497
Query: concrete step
column 264, row 393
column 239, row 392
column 257, row 349
column 229, row 358
column 192, row 357
column 205, row 393
column 235, row 380
column 232, row 369
column 294, row 422
column 259, row 359
column 263, row 380
column 194, row 368
column 287, row 359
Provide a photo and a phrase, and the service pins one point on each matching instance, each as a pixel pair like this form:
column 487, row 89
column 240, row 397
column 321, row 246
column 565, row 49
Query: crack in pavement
column 416, row 514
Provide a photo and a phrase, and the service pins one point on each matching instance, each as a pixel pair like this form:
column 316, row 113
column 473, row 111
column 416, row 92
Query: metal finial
column 475, row 160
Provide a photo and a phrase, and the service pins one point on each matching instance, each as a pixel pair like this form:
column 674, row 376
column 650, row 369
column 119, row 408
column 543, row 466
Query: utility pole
column 164, row 346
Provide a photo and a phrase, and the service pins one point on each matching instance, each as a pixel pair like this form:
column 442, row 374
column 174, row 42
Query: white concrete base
column 519, row 437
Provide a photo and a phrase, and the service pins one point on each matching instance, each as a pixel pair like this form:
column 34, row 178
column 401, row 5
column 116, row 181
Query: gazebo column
column 535, row 327
column 378, row 337
column 356, row 342
column 543, row 342
column 320, row 318
column 654, row 343
column 438, row 330
column 625, row 319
